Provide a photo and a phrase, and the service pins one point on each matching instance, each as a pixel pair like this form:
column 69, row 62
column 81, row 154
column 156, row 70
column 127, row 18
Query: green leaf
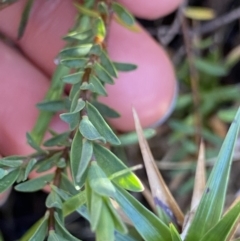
column 78, row 35
column 62, row 231
column 210, row 207
column 55, row 237
column 58, row 140
column 73, row 118
column 87, row 86
column 105, row 228
column 174, row 233
column 86, row 155
column 222, row 231
column 124, row 67
column 102, row 74
column 40, row 230
column 29, row 168
column 110, row 164
column 51, row 105
column 12, row 161
column 33, row 143
column 24, row 18
column 49, row 162
column 77, row 51
column 89, row 131
column 98, row 181
column 100, row 30
column 108, row 64
column 53, row 200
column 147, row 224
column 118, row 223
column 101, row 125
column 8, row 180
column 34, row 184
column 75, row 154
column 74, row 63
column 123, row 14
column 98, row 87
column 3, row 173
column 86, row 11
column 106, row 111
column 131, row 138
column 73, row 203
column 73, row 78
column 210, row 68
column 96, row 50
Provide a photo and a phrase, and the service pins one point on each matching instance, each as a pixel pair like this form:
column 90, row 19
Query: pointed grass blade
column 149, row 226
column 164, row 201
column 210, row 207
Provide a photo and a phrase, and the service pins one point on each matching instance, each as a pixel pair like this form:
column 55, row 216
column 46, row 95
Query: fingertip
column 150, row 89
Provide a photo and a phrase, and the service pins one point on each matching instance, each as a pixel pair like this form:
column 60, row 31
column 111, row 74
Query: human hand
column 24, row 78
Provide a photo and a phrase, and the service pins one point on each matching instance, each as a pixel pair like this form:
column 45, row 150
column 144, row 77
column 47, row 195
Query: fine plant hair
column 87, row 177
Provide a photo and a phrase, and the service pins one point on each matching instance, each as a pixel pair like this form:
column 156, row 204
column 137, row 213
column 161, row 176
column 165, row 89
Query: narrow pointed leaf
column 33, row 143
column 110, row 164
column 77, row 51
column 55, row 237
column 34, row 184
column 51, row 105
column 108, row 64
column 73, row 78
column 105, row 111
column 41, row 230
column 99, row 182
column 87, row 86
column 24, row 18
column 211, row 205
column 12, row 161
column 87, row 11
column 86, row 155
column 60, row 139
column 100, row 30
column 174, row 233
column 102, row 74
column 222, row 230
column 150, row 227
column 74, row 63
column 98, row 87
column 105, row 228
column 3, row 173
column 8, row 180
column 124, row 67
column 164, row 201
column 62, row 231
column 101, row 125
column 88, row 130
column 53, row 200
column 29, row 168
column 123, row 14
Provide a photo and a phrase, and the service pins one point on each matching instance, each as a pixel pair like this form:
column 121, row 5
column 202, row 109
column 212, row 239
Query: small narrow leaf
column 124, row 67
column 24, row 18
column 29, row 168
column 33, row 143
column 74, row 63
column 89, row 131
column 199, row 13
column 100, row 30
column 211, row 205
column 3, row 173
column 222, row 230
column 164, row 201
column 51, row 105
column 73, row 78
column 34, row 184
column 87, row 86
column 174, row 233
column 99, row 182
column 78, row 35
column 150, row 227
column 86, row 155
column 98, row 87
column 12, row 161
column 53, row 200
column 77, row 51
column 40, row 231
column 123, row 14
column 62, row 231
column 105, row 110
column 58, row 140
column 108, row 64
column 55, row 237
column 110, row 164
column 102, row 74
column 101, row 125
column 8, row 180
column 87, row 11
